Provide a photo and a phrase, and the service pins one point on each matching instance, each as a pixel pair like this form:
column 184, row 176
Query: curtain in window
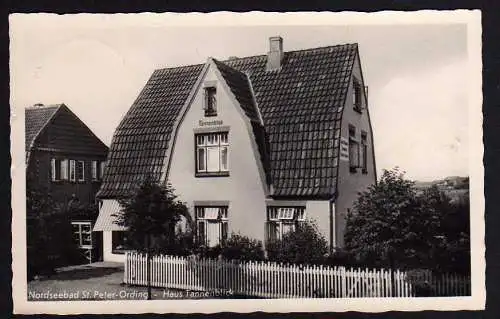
column 223, row 158
column 286, row 227
column 94, row 170
column 53, row 168
column 271, row 231
column 201, row 160
column 212, row 159
column 213, row 233
column 64, row 169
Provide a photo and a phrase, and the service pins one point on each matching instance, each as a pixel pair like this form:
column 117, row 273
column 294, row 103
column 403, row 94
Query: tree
column 393, row 224
column 390, row 224
column 452, row 252
column 151, row 215
column 48, row 233
column 304, row 245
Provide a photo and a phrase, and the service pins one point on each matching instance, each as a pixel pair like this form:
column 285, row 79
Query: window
column 210, row 102
column 55, row 169
column 119, row 242
column 72, row 172
column 59, row 169
column 212, row 154
column 281, row 220
column 212, row 225
column 82, row 234
column 353, row 150
column 101, row 169
column 94, row 171
column 364, row 153
column 97, row 170
column 356, row 94
column 64, row 169
column 80, row 171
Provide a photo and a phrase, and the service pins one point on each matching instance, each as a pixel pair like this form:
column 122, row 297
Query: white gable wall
column 244, row 187
column 348, row 183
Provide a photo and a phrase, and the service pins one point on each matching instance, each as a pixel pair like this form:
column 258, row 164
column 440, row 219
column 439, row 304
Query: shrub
column 239, row 247
column 208, row 252
column 342, row 257
column 50, row 243
column 304, row 245
column 419, row 280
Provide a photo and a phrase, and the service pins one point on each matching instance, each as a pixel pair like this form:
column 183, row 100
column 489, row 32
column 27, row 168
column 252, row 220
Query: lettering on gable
column 210, row 123
column 344, row 149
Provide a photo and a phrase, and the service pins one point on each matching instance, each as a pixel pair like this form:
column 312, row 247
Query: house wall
column 319, row 212
column 61, row 191
column 349, row 184
column 66, row 137
column 243, row 188
column 107, row 249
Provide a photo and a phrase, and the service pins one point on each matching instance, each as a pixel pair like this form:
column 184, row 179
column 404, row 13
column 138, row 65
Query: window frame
column 203, row 145
column 357, row 95
column 278, row 217
column 222, row 220
column 95, row 170
column 102, row 167
column 210, row 101
column 64, row 169
column 58, row 169
column 123, row 238
column 72, row 170
column 54, row 164
column 364, row 152
column 80, row 233
column 354, row 163
column 78, row 163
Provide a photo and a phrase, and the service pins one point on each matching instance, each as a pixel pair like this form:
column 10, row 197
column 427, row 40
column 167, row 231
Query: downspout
column 332, row 224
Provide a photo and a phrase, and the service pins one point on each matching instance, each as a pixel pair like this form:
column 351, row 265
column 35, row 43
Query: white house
column 250, row 144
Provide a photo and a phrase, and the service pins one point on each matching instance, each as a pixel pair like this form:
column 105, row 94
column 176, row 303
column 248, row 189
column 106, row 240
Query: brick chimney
column 275, row 54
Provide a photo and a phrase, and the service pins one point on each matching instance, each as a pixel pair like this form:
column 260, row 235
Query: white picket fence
column 273, row 280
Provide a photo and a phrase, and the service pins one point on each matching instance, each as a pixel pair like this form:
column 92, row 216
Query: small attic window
column 356, row 94
column 210, row 101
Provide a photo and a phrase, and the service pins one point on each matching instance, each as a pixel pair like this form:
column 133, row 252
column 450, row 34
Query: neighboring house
column 65, row 158
column 252, row 145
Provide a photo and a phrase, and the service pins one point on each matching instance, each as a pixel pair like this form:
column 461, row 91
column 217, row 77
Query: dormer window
column 356, row 95
column 210, row 101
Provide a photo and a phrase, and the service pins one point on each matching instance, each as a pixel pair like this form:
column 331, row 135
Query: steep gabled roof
column 36, row 118
column 300, row 105
column 240, row 86
column 56, row 127
column 140, row 142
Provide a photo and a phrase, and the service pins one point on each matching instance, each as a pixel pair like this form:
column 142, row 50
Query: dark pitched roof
column 36, row 118
column 140, row 142
column 57, row 127
column 301, row 107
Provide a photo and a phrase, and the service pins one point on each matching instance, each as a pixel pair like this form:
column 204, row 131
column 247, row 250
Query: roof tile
column 303, row 97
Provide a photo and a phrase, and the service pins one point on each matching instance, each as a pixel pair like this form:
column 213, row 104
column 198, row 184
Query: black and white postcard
column 245, row 161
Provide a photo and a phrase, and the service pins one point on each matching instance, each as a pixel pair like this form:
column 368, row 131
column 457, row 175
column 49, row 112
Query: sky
column 416, row 74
